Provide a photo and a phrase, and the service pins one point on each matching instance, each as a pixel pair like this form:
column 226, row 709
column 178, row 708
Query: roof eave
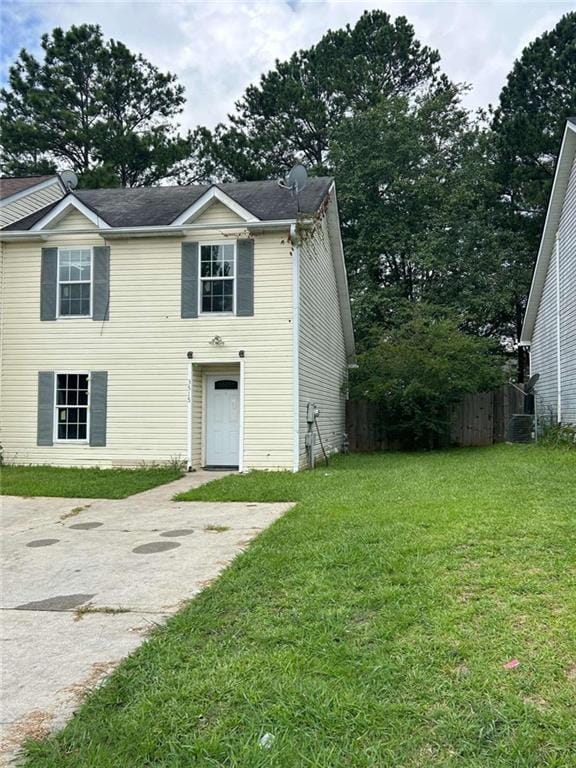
column 150, row 231
column 341, row 276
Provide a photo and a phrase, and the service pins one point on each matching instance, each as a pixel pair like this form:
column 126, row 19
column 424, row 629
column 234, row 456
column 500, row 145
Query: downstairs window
column 71, row 417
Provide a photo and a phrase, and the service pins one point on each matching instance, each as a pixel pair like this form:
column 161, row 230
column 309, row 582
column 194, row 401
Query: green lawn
column 368, row 628
column 89, row 483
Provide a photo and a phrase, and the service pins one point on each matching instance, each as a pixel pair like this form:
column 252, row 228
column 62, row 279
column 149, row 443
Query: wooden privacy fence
column 479, row 419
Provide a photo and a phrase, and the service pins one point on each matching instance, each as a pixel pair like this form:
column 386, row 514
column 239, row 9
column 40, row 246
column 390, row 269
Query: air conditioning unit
column 521, row 428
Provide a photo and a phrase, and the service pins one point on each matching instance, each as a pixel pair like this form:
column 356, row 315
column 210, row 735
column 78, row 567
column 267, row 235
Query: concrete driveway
column 85, row 580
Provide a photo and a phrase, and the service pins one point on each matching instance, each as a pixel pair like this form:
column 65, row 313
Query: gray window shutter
column 101, row 282
column 98, row 396
column 245, row 278
column 45, row 432
column 48, row 283
column 189, row 287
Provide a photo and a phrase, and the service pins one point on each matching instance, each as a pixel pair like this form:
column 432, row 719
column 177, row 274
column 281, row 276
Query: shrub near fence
column 479, row 419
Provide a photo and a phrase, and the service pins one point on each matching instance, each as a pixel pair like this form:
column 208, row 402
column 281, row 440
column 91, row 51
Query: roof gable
column 559, row 187
column 217, row 214
column 68, row 204
column 206, row 200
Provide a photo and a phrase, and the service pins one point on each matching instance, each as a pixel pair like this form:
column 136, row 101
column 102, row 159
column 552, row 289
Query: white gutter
column 168, row 231
column 295, row 348
column 558, row 342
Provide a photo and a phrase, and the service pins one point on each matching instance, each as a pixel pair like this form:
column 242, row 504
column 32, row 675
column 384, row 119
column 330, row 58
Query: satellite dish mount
column 69, row 179
column 295, row 181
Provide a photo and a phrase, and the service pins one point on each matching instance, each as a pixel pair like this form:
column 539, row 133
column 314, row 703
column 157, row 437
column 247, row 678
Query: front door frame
column 192, row 405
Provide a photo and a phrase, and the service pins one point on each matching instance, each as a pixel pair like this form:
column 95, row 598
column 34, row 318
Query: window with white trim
column 74, row 282
column 217, row 273
column 71, row 407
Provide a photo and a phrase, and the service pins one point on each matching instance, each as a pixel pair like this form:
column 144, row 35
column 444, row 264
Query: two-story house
column 197, row 322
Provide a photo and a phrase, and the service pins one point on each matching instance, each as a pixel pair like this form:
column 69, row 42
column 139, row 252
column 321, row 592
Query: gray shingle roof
column 160, row 206
column 11, row 185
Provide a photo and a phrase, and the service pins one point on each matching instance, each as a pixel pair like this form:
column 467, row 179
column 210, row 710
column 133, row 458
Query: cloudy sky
column 218, row 47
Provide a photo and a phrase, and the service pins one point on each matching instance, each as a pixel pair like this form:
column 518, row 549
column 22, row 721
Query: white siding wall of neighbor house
column 543, row 358
column 560, row 280
column 30, row 203
column 322, row 355
column 567, row 243
column 143, row 348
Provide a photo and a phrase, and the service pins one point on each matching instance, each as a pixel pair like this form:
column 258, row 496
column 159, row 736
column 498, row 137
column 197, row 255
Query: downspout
column 295, row 347
column 558, row 342
column 189, row 460
column 241, row 424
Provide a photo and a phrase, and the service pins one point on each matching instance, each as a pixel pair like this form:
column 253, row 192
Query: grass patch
column 217, row 528
column 77, row 482
column 370, row 626
column 74, row 512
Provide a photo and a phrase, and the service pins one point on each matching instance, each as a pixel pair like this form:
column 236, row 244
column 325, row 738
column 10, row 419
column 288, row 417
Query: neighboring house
column 195, row 322
column 550, row 322
column 22, row 196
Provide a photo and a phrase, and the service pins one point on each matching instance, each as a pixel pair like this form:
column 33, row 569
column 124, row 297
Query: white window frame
column 67, row 440
column 59, row 282
column 202, row 279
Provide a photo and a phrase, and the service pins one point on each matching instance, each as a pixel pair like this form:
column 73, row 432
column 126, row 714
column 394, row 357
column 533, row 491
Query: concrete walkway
column 85, row 580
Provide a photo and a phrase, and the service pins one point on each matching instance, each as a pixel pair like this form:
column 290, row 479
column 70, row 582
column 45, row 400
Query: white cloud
column 218, row 47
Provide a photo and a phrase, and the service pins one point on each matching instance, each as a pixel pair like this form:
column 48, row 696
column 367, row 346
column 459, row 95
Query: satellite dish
column 531, row 383
column 69, row 179
column 297, row 179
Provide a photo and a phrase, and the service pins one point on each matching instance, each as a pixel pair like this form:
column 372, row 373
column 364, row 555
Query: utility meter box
column 312, row 413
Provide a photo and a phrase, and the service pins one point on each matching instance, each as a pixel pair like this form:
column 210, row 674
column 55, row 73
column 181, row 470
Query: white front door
column 222, row 421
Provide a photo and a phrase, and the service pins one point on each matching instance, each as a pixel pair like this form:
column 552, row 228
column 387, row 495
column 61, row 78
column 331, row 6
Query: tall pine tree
column 93, row 106
column 291, row 115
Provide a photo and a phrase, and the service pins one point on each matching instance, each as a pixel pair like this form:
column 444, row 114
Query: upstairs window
column 74, row 282
column 217, row 273
column 71, row 406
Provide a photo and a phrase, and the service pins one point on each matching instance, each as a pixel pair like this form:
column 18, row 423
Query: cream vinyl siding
column 322, row 356
column 544, row 347
column 143, row 348
column 217, row 213
column 30, row 203
column 73, row 221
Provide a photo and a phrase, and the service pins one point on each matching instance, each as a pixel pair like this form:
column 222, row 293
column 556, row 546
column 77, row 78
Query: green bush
column 559, row 436
column 417, row 370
